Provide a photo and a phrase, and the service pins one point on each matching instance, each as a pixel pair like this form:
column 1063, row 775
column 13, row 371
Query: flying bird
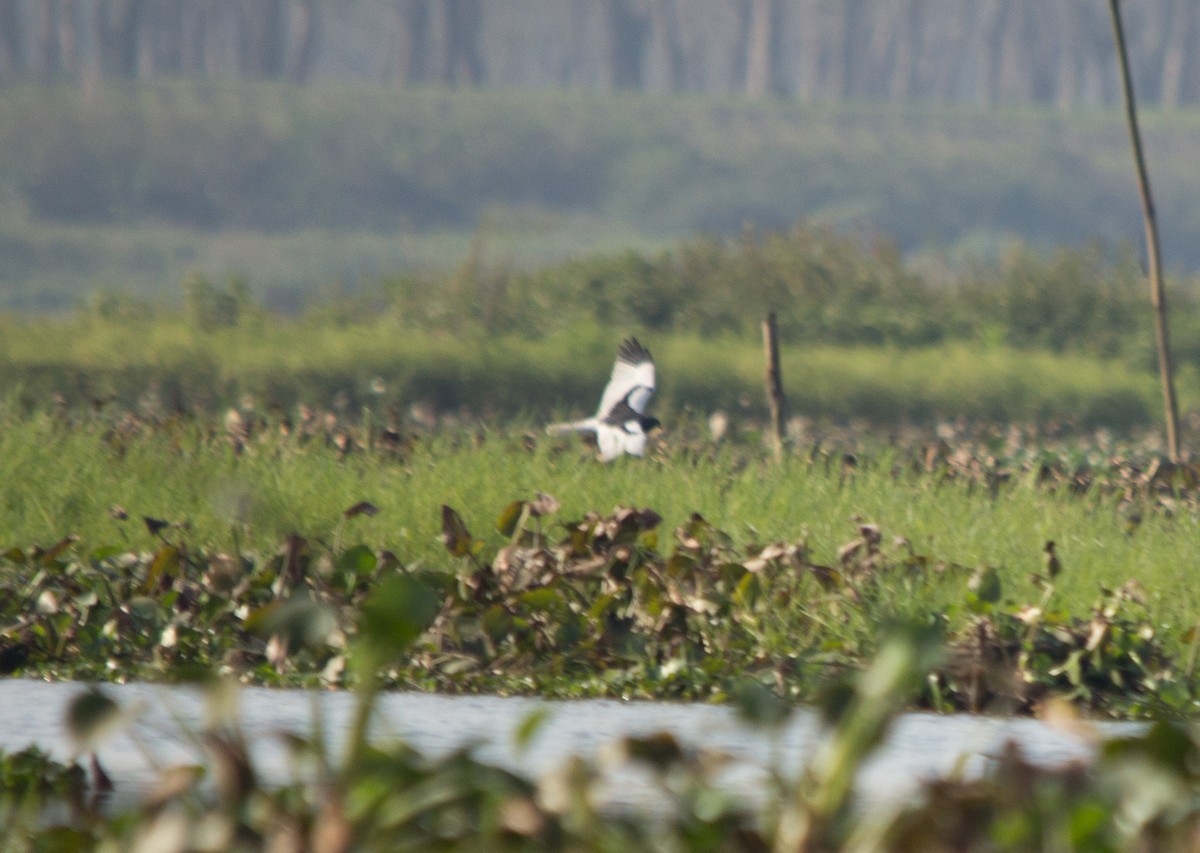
column 621, row 424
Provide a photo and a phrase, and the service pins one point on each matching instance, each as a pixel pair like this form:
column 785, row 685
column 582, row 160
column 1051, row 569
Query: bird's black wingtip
column 633, row 351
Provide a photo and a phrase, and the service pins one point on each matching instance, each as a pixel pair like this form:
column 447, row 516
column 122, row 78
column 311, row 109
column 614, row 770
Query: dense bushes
column 1063, row 336
column 827, row 287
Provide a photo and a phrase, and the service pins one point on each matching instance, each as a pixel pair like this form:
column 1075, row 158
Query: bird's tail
column 585, row 425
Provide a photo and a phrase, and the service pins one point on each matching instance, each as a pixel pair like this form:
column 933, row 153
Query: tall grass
column 56, row 481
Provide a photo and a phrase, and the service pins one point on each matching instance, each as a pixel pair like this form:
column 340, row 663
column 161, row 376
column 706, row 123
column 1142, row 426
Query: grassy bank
column 389, row 368
column 257, row 521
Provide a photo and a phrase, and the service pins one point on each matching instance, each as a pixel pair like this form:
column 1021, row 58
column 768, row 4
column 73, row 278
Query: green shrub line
column 1062, row 337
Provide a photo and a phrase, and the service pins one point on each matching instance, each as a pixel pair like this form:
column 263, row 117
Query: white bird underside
column 620, row 422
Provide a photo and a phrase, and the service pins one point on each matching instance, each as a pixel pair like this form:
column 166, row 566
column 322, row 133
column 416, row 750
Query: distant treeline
column 962, row 51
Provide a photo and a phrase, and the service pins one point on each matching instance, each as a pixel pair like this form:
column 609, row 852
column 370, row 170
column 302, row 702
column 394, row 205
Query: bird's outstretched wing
column 632, row 380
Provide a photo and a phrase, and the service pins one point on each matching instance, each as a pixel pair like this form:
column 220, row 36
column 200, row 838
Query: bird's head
column 650, row 424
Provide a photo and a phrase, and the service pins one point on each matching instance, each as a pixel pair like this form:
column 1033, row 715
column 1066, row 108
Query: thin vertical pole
column 1154, row 254
column 774, row 380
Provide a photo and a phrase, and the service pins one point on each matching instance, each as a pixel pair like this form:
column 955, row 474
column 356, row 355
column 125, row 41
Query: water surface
column 919, row 746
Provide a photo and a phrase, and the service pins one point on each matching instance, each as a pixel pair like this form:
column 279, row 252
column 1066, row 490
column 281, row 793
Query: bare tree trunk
column 630, row 31
column 760, row 24
column 120, row 44
column 261, row 37
column 852, row 63
column 68, row 38
column 463, row 21
column 1154, row 266
column 992, row 15
column 1175, row 54
column 12, row 62
column 44, row 47
column 1072, row 57
column 664, row 37
column 982, row 51
column 302, row 33
column 907, row 51
column 1016, row 54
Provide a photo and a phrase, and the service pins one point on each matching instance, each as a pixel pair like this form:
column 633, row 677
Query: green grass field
column 942, row 522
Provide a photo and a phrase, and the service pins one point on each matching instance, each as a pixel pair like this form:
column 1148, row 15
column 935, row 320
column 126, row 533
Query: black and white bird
column 621, row 423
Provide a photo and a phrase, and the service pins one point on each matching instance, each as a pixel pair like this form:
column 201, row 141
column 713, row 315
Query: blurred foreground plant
column 1140, row 793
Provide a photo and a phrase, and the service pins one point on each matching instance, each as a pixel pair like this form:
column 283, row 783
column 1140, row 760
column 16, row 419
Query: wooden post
column 1154, row 256
column 775, row 399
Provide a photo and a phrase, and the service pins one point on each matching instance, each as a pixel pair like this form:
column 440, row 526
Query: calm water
column 920, row 746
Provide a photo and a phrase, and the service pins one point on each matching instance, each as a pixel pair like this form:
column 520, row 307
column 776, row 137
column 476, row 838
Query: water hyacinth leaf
column 301, row 622
column 455, row 535
column 748, row 591
column 166, row 562
column 496, row 623
column 361, row 508
column 155, row 525
column 602, row 606
column 142, row 608
column 985, row 584
column 51, row 554
column 32, row 770
column 908, row 653
column 541, row 600
column 358, row 560
column 572, row 629
column 397, row 613
column 509, row 518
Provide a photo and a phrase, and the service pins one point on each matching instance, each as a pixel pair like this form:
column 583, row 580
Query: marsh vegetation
column 361, row 496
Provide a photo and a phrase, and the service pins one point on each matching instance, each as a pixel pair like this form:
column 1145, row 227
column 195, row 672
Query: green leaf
column 142, row 608
column 166, row 561
column 104, row 553
column 455, row 534
column 544, row 599
column 303, row 622
column 397, row 613
column 985, row 583
column 496, row 622
column 530, row 725
column 359, row 561
column 509, row 517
